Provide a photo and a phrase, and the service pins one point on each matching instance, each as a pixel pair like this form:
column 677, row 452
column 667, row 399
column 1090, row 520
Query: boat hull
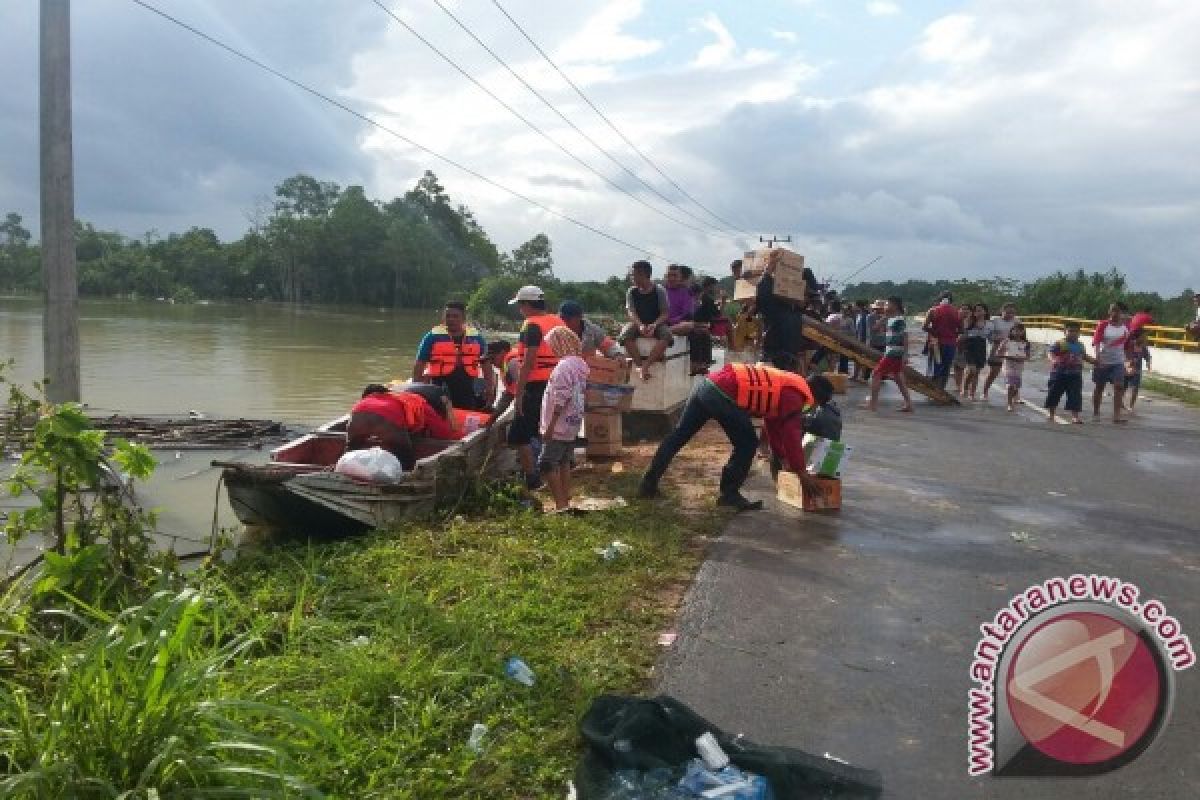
column 313, row 501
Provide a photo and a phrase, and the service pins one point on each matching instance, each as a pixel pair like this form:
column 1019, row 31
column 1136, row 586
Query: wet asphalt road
column 852, row 633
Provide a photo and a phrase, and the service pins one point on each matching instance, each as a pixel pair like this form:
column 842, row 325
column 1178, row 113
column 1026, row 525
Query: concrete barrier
column 1166, row 363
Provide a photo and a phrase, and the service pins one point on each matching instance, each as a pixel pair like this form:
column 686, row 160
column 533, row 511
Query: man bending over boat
column 390, row 420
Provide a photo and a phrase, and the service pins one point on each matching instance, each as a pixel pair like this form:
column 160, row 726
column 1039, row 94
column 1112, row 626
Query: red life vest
column 403, row 409
column 759, row 388
column 544, row 359
column 446, row 354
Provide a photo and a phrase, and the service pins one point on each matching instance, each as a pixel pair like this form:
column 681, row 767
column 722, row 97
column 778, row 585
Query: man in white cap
column 537, row 361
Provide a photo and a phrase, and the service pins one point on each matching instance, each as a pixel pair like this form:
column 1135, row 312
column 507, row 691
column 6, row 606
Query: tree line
column 1068, row 294
column 321, row 243
column 317, row 243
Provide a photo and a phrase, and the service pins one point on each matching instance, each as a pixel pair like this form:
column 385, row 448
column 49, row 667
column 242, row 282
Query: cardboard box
column 602, row 427
column 788, row 490
column 611, row 371
column 789, row 275
column 839, row 381
column 605, row 395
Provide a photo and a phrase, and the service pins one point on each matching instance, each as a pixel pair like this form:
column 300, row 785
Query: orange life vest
column 446, row 354
column 544, row 358
column 759, row 388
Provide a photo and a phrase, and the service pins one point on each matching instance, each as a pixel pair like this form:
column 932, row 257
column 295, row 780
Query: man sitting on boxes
column 647, row 306
column 591, row 335
column 731, row 396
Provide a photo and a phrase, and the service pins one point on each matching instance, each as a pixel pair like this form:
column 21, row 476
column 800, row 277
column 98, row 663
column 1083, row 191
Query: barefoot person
column 1000, row 329
column 647, row 307
column 1014, row 352
column 1137, row 354
column 732, row 396
column 562, row 414
column 1111, row 336
column 1066, row 373
column 895, row 355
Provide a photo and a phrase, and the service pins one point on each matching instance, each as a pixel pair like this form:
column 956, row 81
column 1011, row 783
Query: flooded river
column 299, row 365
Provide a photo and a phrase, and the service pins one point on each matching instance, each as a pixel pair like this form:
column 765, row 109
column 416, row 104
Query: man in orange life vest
column 537, row 362
column 449, row 356
column 390, row 419
column 731, row 396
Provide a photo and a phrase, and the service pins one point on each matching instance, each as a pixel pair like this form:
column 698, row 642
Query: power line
column 358, row 114
column 596, row 145
column 613, row 126
column 531, row 125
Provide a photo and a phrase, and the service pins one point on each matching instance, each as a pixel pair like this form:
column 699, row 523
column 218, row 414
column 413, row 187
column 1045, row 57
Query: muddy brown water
column 296, row 364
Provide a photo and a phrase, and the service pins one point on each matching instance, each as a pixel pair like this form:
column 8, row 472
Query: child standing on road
column 1015, row 352
column 1137, row 353
column 1066, row 373
column 562, row 413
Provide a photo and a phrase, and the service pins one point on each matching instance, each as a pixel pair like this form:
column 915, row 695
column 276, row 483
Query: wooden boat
column 298, row 492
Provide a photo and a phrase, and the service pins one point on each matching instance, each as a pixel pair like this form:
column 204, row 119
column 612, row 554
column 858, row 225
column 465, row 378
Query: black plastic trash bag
column 650, row 733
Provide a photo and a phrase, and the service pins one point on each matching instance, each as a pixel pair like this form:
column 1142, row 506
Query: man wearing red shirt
column 731, row 396
column 390, row 419
column 943, row 326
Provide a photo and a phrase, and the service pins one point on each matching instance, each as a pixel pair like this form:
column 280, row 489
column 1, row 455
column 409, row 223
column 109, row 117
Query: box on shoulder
column 789, row 274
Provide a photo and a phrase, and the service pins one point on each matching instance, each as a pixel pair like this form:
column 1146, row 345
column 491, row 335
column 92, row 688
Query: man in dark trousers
column 732, row 396
column 783, row 322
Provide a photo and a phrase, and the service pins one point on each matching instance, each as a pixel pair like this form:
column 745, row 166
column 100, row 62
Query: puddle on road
column 1156, row 461
column 1042, row 516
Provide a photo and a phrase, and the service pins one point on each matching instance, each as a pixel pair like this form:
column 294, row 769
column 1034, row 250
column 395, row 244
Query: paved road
column 852, row 633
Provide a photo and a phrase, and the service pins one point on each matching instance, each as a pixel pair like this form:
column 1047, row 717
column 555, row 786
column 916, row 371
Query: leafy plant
column 100, row 539
column 135, row 708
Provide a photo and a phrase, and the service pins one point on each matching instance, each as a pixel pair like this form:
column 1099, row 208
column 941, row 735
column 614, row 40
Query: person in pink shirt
column 562, row 413
column 943, row 325
column 1141, row 319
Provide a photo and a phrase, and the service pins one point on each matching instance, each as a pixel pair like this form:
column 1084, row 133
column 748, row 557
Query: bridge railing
column 1161, row 336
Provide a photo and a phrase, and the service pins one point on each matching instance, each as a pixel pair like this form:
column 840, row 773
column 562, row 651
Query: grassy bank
column 396, row 642
column 1187, row 394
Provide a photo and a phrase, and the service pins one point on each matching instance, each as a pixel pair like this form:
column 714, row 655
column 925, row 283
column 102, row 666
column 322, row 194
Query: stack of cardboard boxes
column 789, row 274
column 608, row 394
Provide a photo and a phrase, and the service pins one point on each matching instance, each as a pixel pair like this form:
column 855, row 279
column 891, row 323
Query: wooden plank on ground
column 838, row 342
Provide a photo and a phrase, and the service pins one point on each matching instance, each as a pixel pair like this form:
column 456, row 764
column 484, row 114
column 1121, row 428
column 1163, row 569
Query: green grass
column 395, row 643
column 1187, row 394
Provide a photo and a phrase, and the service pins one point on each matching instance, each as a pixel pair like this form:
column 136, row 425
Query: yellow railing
column 1158, row 335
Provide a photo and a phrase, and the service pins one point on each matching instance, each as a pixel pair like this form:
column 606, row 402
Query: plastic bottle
column 519, row 671
column 475, row 740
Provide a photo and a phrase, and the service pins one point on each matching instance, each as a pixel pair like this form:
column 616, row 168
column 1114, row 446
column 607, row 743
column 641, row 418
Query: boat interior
column 322, row 448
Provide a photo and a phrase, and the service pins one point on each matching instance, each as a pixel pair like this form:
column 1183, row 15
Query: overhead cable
column 380, row 126
column 596, row 145
column 613, row 125
column 533, row 127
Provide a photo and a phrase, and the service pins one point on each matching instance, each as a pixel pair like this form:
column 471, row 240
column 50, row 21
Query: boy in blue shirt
column 1066, row 373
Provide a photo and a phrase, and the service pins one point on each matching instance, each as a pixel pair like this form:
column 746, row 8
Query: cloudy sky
column 1008, row 137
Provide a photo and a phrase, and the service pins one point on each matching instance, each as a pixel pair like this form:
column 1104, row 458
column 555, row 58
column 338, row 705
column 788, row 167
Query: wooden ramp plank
column 838, row 342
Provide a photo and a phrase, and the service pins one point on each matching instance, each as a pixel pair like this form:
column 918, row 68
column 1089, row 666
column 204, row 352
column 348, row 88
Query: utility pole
column 60, row 324
column 774, row 240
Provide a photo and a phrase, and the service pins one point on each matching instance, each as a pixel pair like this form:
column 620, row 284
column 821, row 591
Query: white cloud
column 720, row 52
column 785, row 36
column 952, row 39
column 603, row 37
column 882, row 8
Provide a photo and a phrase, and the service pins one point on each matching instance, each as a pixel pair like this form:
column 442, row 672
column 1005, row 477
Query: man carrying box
column 731, row 396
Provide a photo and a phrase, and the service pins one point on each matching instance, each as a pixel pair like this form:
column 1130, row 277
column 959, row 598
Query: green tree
column 532, row 261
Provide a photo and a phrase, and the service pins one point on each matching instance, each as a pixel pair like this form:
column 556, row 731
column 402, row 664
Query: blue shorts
column 1133, row 381
column 1110, row 373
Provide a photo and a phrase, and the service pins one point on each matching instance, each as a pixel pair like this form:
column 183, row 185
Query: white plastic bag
column 376, row 464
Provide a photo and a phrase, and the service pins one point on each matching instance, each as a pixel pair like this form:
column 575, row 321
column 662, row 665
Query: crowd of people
column 544, row 375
